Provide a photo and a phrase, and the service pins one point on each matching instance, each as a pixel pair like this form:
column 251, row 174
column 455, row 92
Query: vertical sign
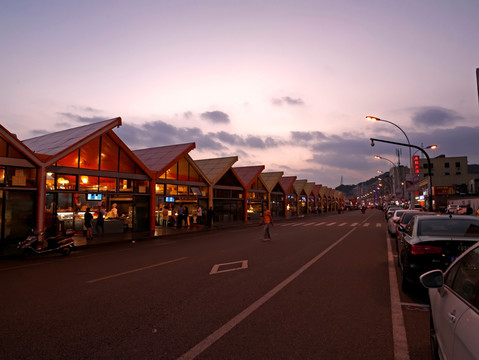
column 416, row 164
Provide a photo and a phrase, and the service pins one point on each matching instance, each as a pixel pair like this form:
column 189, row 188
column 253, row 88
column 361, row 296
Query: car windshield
column 448, row 227
column 407, row 217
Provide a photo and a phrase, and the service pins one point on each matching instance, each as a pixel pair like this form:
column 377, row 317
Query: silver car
column 454, row 297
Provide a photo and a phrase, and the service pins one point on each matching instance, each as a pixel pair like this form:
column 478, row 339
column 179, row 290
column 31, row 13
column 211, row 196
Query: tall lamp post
column 391, row 188
column 374, row 118
column 428, row 163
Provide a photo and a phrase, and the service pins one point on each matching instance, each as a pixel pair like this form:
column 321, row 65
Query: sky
column 282, row 83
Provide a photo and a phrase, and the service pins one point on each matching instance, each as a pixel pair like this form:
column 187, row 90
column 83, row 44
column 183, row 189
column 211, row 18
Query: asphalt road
column 320, row 290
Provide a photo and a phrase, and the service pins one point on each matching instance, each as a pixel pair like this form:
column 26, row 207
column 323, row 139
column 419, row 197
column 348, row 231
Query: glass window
column 3, row 147
column 65, row 202
column 66, row 182
column 13, row 153
column 446, row 165
column 458, row 164
column 71, row 160
column 141, row 186
column 109, row 154
column 20, row 177
column 126, row 185
column 2, row 175
column 88, row 183
column 107, row 184
column 126, row 164
column 171, row 189
column 194, row 176
column 182, row 190
column 183, row 169
column 172, row 173
column 160, row 189
column 90, row 155
column 465, row 278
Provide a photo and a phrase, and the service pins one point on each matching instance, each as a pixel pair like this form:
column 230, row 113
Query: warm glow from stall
column 84, row 179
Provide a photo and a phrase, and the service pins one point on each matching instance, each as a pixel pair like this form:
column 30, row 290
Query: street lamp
column 383, row 158
column 428, row 163
column 374, row 118
column 432, row 147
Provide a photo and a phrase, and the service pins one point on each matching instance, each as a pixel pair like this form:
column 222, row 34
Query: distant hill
column 349, row 190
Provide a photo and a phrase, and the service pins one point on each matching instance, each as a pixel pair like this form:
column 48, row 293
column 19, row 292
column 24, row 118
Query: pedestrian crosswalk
column 329, row 224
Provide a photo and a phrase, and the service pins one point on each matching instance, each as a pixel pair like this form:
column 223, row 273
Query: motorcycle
column 62, row 244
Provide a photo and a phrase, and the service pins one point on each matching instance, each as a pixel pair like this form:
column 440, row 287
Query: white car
column 393, row 221
column 452, row 208
column 454, row 297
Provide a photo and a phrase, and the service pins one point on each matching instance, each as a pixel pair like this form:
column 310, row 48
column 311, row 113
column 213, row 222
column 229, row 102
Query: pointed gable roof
column 29, row 157
column 248, row 174
column 316, row 189
column 286, row 183
column 160, row 159
column 298, row 186
column 214, row 169
column 52, row 147
column 270, row 179
column 308, row 188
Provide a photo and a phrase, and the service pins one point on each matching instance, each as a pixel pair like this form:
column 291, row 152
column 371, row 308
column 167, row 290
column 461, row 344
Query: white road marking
column 135, row 270
column 379, row 225
column 321, row 223
column 220, row 332
column 354, row 224
column 308, row 224
column 331, row 224
column 401, row 351
column 365, row 224
column 216, row 268
column 342, row 224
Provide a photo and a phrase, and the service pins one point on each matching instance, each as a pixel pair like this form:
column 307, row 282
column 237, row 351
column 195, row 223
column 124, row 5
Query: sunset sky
column 285, row 84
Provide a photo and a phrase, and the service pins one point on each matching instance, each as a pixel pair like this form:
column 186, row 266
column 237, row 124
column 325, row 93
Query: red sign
column 416, row 164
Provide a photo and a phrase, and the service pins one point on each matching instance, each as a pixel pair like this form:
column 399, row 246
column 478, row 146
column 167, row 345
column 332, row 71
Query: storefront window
column 70, row 160
column 172, row 173
column 2, row 175
column 171, row 189
column 88, row 183
column 109, row 154
column 65, row 182
column 19, row 177
column 183, row 170
column 126, row 185
column 182, row 190
column 65, row 202
column 160, row 189
column 107, row 184
column 126, row 164
column 3, row 148
column 141, row 186
column 90, row 155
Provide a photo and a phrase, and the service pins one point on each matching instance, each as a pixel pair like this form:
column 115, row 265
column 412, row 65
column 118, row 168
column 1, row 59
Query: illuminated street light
column 383, row 158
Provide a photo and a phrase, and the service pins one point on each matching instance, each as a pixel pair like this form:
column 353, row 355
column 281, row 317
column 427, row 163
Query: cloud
column 216, row 117
column 82, row 119
column 287, row 100
column 436, row 116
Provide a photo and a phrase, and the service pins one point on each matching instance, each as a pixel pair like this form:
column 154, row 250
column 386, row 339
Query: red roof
column 248, row 174
column 160, row 159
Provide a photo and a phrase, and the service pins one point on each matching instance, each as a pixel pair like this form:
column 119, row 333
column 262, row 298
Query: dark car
column 433, row 242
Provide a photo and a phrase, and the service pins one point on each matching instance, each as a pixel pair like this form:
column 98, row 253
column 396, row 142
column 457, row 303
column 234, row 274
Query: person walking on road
column 268, row 222
column 88, row 217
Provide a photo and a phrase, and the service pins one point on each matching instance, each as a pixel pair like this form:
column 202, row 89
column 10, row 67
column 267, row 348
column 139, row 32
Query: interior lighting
column 84, row 179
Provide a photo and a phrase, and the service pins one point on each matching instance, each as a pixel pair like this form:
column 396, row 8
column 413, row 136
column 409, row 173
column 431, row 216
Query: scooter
column 62, row 244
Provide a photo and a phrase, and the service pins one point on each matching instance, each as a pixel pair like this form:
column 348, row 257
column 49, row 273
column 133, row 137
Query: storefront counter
column 111, row 226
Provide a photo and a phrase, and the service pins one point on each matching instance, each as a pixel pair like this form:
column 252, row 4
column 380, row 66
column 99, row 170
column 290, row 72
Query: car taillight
column 425, row 249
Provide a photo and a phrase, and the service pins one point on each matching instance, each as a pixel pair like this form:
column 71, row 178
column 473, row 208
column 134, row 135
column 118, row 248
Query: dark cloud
column 82, row 119
column 287, row 100
column 216, row 117
column 436, row 117
column 306, row 136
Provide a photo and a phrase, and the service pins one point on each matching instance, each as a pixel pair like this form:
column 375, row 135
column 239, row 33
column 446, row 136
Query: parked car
column 454, row 298
column 393, row 221
column 462, row 210
column 433, row 242
column 452, row 208
column 390, row 211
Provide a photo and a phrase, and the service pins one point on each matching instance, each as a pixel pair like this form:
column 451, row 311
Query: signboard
column 416, row 164
column 412, row 182
column 444, row 190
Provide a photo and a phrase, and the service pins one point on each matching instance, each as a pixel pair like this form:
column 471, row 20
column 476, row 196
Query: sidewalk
column 160, row 232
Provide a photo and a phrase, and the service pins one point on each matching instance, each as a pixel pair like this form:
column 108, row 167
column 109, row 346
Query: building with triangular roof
column 179, row 182
column 291, row 202
column 87, row 167
column 275, row 192
column 226, row 192
column 255, row 193
column 19, row 182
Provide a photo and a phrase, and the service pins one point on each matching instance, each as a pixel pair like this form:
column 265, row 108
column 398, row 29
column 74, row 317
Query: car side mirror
column 432, row 279
column 401, row 228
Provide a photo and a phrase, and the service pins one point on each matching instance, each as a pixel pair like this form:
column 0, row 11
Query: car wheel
column 433, row 340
